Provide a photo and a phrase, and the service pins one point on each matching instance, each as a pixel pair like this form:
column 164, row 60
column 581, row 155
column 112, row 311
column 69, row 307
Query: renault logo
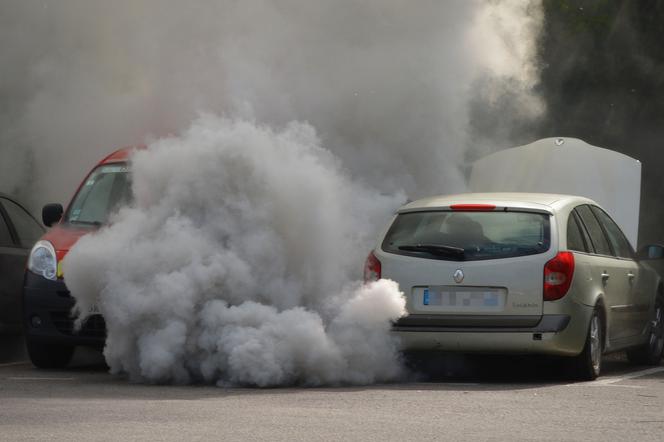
column 458, row 276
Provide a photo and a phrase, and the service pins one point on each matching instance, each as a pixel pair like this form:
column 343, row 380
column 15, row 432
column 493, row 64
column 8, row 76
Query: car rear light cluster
column 558, row 275
column 372, row 268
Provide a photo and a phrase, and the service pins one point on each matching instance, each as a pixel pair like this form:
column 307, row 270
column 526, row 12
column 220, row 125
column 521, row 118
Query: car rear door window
column 616, row 237
column 575, row 238
column 595, row 231
column 5, row 236
column 25, row 225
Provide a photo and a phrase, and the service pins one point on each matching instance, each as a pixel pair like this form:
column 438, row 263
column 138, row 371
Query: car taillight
column 558, row 275
column 371, row 268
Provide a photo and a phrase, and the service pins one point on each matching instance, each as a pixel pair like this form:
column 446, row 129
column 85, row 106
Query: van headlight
column 42, row 260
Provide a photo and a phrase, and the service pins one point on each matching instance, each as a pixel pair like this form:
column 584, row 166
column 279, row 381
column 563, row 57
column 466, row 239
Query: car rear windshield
column 104, row 192
column 468, row 236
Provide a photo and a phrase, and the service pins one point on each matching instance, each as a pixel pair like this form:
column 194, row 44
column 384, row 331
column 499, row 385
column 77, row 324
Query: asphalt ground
column 457, row 398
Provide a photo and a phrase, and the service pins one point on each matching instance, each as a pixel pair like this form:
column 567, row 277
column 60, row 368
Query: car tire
column 651, row 352
column 588, row 364
column 49, row 356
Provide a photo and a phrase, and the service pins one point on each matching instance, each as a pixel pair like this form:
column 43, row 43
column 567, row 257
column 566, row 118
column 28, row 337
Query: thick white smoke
column 239, row 259
column 236, row 261
column 386, row 83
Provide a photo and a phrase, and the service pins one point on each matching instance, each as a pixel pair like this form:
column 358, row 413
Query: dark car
column 50, row 334
column 18, row 232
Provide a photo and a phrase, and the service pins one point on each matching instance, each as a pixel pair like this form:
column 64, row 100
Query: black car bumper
column 47, row 316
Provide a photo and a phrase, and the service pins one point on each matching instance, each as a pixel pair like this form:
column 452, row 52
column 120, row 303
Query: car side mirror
column 51, row 214
column 652, row 251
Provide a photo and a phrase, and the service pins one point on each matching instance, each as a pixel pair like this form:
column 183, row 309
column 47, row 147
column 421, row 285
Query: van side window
column 595, row 231
column 616, row 237
column 575, row 239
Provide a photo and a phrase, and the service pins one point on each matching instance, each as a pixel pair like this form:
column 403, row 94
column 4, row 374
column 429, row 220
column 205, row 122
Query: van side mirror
column 651, row 251
column 51, row 214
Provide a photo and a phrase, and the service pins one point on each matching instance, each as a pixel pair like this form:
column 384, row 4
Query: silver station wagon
column 521, row 273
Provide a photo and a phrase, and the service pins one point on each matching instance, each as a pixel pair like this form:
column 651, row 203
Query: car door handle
column 630, row 276
column 605, row 276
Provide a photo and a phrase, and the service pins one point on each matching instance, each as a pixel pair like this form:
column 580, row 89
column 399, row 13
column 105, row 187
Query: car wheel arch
column 600, row 306
column 597, row 301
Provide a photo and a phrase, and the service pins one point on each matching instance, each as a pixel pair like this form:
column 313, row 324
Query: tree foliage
column 602, row 78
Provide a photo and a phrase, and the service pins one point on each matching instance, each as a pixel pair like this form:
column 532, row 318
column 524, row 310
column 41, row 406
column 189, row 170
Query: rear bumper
column 51, row 303
column 555, row 334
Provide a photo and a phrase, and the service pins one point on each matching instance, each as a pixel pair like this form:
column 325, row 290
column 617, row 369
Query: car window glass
column 104, row 192
column 468, row 235
column 26, row 227
column 5, row 236
column 620, row 244
column 584, row 232
column 574, row 236
column 595, row 231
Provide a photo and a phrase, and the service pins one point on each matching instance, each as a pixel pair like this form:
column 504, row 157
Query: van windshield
column 106, row 189
column 468, row 236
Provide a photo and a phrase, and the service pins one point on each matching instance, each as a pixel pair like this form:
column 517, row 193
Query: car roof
column 121, row 155
column 23, row 206
column 12, row 198
column 547, row 202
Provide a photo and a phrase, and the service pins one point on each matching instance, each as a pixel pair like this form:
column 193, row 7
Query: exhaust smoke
column 234, row 264
column 237, row 261
column 387, row 84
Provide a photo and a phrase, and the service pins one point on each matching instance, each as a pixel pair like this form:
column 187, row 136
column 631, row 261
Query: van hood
column 64, row 236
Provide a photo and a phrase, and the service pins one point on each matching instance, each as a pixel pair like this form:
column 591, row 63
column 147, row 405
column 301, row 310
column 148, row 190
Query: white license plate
column 462, row 299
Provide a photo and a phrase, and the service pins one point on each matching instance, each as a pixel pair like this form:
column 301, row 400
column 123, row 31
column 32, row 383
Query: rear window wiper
column 435, row 249
column 529, row 249
column 89, row 223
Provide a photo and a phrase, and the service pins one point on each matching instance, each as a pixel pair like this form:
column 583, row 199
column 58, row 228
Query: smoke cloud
column 235, row 261
column 239, row 258
column 386, row 84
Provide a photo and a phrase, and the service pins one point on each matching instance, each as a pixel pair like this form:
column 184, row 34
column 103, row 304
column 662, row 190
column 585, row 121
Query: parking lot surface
column 483, row 399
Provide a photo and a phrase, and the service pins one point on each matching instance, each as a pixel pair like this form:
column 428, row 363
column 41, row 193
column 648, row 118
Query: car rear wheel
column 49, row 356
column 588, row 364
column 651, row 352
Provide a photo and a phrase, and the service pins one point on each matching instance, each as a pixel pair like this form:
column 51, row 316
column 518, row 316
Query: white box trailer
column 567, row 166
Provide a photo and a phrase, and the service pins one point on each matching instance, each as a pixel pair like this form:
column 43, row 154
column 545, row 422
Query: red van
column 49, row 327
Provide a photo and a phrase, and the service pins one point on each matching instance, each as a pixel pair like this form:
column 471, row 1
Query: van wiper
column 435, row 249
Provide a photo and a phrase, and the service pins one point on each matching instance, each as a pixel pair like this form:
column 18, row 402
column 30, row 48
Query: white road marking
column 611, row 381
column 34, row 378
column 12, row 364
column 637, row 374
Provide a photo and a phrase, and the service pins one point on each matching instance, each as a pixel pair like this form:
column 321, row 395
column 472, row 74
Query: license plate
column 462, row 299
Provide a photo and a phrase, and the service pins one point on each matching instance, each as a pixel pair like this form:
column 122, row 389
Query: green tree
column 602, row 78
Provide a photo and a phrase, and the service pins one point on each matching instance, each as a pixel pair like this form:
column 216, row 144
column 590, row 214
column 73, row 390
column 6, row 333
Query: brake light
column 558, row 275
column 371, row 268
column 473, row 207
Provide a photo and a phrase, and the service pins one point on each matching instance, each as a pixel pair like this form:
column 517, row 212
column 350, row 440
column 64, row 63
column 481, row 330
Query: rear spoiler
column 476, row 208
